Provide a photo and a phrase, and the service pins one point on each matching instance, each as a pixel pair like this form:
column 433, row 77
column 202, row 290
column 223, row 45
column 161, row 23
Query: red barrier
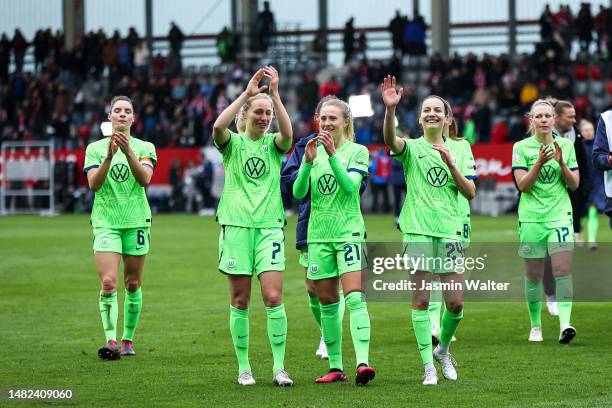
column 492, row 161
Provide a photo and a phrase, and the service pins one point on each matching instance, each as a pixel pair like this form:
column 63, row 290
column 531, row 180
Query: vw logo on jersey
column 547, row 175
column 327, row 184
column 119, row 172
column 437, row 177
column 255, row 167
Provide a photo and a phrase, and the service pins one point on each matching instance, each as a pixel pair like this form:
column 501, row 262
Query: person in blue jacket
column 602, row 156
column 289, row 173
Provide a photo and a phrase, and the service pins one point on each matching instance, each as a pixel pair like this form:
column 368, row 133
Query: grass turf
column 51, row 331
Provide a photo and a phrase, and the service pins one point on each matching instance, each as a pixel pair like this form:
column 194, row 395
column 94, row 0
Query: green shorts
column 332, row 259
column 126, row 241
column 434, row 254
column 243, row 251
column 539, row 239
column 304, row 257
column 466, row 233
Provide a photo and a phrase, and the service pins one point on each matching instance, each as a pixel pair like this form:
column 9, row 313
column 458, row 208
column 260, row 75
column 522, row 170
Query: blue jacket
column 288, row 175
column 601, row 151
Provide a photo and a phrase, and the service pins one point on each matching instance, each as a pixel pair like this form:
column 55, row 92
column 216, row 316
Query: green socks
column 533, row 294
column 332, row 333
column 435, row 305
column 277, row 334
column 592, row 225
column 109, row 312
column 450, row 321
column 131, row 312
column 239, row 328
column 315, row 308
column 422, row 332
column 360, row 326
column 342, row 306
column 565, row 293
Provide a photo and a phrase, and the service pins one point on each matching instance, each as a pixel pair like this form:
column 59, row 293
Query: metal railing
column 293, row 43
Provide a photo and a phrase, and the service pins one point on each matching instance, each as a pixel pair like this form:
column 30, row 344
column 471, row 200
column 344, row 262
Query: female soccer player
column 252, row 217
column 118, row 169
column 333, row 172
column 544, row 166
column 435, row 301
column 288, row 176
column 436, row 170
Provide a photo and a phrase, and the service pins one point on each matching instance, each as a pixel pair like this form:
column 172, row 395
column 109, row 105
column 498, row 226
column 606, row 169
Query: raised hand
column 558, row 153
column 328, row 142
column 444, row 154
column 310, row 152
column 546, row 153
column 253, row 87
column 391, row 96
column 272, row 74
column 112, row 148
column 122, row 141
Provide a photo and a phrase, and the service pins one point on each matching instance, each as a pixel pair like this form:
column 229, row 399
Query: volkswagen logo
column 327, row 184
column 119, row 172
column 437, row 177
column 547, row 175
column 255, row 167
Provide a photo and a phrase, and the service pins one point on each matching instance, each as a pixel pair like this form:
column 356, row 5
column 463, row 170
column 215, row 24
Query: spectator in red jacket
column 329, row 87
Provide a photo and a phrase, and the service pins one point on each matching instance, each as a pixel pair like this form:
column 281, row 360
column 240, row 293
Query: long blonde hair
column 349, row 131
column 240, row 119
column 539, row 102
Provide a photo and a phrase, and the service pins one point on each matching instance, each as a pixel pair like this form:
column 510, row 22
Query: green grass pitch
column 51, row 332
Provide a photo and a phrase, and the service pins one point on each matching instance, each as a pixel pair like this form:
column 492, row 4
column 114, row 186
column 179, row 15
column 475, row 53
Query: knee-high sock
column 422, row 332
column 565, row 295
column 239, row 328
column 533, row 295
column 435, row 305
column 109, row 312
column 360, row 326
column 277, row 334
column 132, row 306
column 332, row 334
column 341, row 305
column 548, row 279
column 450, row 321
column 592, row 224
column 315, row 308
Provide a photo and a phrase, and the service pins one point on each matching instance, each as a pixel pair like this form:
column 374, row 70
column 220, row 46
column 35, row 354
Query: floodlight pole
column 512, row 28
column 149, row 26
column 73, row 19
column 323, row 25
column 440, row 27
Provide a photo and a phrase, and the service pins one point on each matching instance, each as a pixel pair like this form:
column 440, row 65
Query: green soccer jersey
column 251, row 195
column 121, row 202
column 547, row 200
column 335, row 215
column 464, row 203
column 431, row 206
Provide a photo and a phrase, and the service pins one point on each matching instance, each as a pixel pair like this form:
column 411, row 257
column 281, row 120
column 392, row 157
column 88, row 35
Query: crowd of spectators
column 65, row 96
column 562, row 27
